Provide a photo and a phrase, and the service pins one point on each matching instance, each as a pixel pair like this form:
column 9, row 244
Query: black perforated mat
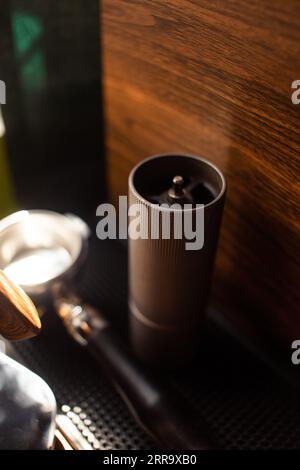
column 246, row 406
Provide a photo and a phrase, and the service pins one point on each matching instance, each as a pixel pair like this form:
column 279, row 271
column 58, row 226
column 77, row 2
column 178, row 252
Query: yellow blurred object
column 7, row 198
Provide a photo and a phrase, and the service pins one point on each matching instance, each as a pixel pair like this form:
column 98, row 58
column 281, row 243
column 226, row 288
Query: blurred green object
column 7, row 196
column 27, row 33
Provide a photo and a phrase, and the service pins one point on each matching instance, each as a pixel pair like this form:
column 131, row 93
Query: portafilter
column 43, row 252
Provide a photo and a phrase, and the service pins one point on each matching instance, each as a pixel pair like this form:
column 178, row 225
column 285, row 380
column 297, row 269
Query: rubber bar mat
column 246, row 405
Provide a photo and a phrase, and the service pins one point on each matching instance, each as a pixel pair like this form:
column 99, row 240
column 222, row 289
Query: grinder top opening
column 196, row 180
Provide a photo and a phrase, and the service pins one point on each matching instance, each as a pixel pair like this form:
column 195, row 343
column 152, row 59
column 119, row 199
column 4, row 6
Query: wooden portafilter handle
column 19, row 318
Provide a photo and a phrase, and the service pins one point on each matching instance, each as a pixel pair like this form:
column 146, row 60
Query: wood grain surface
column 213, row 78
column 19, row 318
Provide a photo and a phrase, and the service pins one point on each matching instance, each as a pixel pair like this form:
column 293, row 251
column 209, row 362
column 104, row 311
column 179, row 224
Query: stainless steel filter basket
column 40, row 249
column 168, row 284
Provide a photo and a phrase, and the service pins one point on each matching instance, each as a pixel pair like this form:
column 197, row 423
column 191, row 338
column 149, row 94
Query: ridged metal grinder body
column 168, row 283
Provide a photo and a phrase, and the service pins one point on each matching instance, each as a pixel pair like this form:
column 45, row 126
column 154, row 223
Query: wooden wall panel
column 214, row 78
